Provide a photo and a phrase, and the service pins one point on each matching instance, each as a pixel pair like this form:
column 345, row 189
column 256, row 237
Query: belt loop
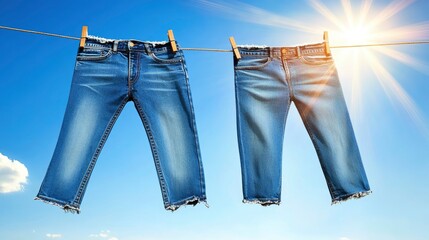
column 298, row 51
column 283, row 52
column 115, row 45
column 148, row 48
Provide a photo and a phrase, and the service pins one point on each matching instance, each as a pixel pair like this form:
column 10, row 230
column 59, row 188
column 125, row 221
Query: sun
column 356, row 35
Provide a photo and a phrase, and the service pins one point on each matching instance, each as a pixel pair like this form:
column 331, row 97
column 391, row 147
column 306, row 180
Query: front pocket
column 316, row 60
column 166, row 57
column 93, row 54
column 252, row 63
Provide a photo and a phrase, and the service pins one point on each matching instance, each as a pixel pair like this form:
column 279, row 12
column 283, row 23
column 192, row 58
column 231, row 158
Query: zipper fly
column 288, row 76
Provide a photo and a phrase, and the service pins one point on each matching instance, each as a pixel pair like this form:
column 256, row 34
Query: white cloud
column 104, row 235
column 13, row 175
column 54, row 235
column 344, row 238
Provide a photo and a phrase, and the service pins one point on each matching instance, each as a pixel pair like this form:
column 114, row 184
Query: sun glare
column 360, row 28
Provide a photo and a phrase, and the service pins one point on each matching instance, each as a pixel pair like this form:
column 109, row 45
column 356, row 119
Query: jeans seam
column 362, row 173
column 284, row 127
column 239, row 132
column 91, row 166
column 154, row 149
column 129, row 73
column 194, row 128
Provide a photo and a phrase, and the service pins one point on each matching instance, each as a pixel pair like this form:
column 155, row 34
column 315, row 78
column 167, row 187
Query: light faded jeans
column 267, row 81
column 107, row 75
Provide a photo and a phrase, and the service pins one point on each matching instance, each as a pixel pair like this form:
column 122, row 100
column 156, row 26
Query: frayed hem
column 108, row 40
column 250, row 46
column 67, row 208
column 100, row 39
column 193, row 201
column 264, row 203
column 350, row 196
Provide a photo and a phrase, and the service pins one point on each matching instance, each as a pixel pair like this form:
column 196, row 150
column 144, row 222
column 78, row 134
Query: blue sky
column 387, row 98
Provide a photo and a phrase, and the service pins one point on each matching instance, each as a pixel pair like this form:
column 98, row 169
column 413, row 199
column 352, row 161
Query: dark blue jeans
column 107, row 75
column 267, row 81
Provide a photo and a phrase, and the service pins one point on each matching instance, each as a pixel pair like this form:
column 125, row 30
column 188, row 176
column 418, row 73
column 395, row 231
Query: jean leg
column 262, row 102
column 163, row 99
column 97, row 96
column 320, row 102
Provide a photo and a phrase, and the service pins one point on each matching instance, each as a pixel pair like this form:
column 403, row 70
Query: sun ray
column 396, row 93
column 366, row 6
column 248, row 13
column 417, row 31
column 356, row 86
column 324, row 11
column 388, row 12
column 347, row 6
column 406, row 59
column 316, row 94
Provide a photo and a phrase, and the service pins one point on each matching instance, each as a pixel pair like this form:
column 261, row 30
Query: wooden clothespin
column 83, row 36
column 234, row 48
column 172, row 40
column 326, row 41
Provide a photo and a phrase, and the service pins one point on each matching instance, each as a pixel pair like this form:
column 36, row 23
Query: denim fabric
column 107, row 75
column 267, row 81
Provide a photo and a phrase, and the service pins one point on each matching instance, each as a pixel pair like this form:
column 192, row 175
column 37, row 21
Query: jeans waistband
column 317, row 49
column 128, row 45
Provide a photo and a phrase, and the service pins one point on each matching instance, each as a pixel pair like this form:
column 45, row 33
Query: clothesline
column 219, row 50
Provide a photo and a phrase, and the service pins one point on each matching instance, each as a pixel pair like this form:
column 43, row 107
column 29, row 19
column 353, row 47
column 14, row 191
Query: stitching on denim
column 303, row 60
column 268, row 61
column 137, row 73
column 129, row 73
column 284, row 127
column 95, row 58
column 106, row 133
column 194, row 128
column 160, row 60
column 239, row 135
column 288, row 77
column 153, row 146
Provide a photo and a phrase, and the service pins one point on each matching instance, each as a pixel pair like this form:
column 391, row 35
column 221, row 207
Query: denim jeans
column 107, row 75
column 267, row 81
